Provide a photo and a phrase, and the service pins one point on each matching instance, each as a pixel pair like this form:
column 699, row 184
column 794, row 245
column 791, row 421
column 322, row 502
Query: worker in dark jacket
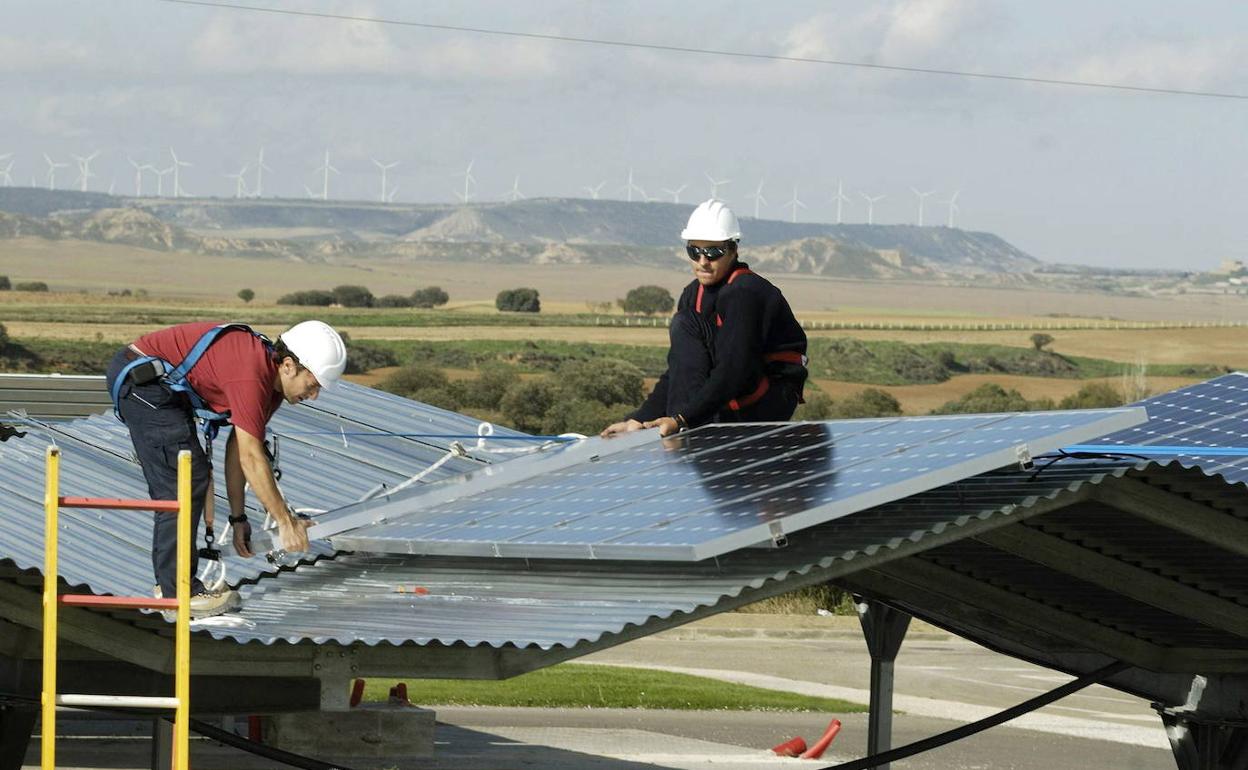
column 737, row 353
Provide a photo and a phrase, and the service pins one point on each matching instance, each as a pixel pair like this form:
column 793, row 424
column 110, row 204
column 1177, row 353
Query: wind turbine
column 840, row 198
column 628, row 188
column 593, row 191
column 177, row 182
column 794, row 204
column 715, row 183
column 393, row 191
column 675, row 193
column 308, row 190
column 758, row 198
column 261, row 167
column 6, row 175
column 160, row 179
column 922, row 197
column 52, row 167
column 871, row 201
column 514, row 194
column 953, row 206
column 468, row 179
column 240, row 184
column 84, row 169
column 325, row 168
column 138, row 175
column 384, row 168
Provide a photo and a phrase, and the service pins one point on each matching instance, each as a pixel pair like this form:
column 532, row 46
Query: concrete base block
column 370, row 732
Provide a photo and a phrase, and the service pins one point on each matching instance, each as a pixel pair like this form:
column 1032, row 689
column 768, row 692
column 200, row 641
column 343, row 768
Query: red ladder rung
column 118, row 602
column 118, row 504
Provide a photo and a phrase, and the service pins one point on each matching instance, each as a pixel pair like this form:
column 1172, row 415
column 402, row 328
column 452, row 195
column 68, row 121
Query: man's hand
column 624, row 426
column 294, row 534
column 666, row 425
column 242, row 538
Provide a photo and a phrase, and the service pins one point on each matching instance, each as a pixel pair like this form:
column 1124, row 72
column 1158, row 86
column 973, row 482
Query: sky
column 1068, row 174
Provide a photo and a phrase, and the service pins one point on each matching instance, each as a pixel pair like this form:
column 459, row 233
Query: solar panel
column 1203, row 425
column 707, row 492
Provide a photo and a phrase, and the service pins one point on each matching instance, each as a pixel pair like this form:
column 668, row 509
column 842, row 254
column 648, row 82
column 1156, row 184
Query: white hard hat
column 712, row 220
column 319, row 348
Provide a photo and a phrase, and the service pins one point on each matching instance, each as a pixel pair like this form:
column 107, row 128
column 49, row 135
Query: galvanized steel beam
column 1177, row 513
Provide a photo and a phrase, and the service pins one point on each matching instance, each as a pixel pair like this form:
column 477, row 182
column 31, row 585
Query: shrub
column 246, row 295
column 1096, row 395
column 526, row 403
column 989, row 397
column 366, row 356
column 353, row 296
column 648, row 300
column 818, row 406
column 412, row 379
column 869, row 402
column 518, row 301
column 604, row 380
column 394, row 300
column 1039, row 340
column 4, row 336
column 31, row 286
column 430, row 296
column 5, row 284
column 312, row 297
column 489, row 387
column 581, row 415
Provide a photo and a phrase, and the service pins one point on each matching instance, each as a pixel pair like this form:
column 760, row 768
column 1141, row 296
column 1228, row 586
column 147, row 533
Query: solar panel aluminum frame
column 768, row 533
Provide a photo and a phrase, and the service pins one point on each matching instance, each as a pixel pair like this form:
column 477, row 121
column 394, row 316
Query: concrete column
column 884, row 630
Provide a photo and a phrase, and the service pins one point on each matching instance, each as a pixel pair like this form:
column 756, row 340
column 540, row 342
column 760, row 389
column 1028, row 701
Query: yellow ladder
column 181, row 702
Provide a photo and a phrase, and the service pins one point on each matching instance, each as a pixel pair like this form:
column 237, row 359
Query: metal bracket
column 778, row 538
column 335, row 667
column 1023, row 453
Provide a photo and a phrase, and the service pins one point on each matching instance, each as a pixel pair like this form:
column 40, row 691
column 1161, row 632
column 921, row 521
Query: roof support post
column 1202, row 745
column 884, row 629
column 16, row 721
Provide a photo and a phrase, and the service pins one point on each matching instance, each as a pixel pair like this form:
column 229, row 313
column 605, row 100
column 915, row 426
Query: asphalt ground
column 941, row 682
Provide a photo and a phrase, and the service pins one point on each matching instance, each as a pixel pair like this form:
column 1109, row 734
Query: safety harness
column 175, row 378
column 782, row 356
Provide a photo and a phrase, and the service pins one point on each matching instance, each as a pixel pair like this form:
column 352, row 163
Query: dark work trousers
column 162, row 424
column 689, row 365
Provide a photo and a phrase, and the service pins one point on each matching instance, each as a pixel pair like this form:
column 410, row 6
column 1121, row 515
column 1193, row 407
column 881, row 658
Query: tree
column 648, row 300
column 353, row 296
column 1040, row 339
column 526, row 403
column 4, row 336
column 246, row 295
column 412, row 379
column 818, row 406
column 312, row 297
column 989, row 397
column 31, row 286
column 868, row 402
column 1095, row 395
column 394, row 300
column 5, row 285
column 490, row 385
column 605, row 380
column 430, row 296
column 518, row 301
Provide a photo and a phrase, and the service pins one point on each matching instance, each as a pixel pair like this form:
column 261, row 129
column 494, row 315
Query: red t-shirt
column 233, row 375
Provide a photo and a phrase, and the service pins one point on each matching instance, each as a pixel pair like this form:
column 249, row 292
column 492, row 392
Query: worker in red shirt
column 222, row 374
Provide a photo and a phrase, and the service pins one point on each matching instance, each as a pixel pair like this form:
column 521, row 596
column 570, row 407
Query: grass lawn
column 573, row 685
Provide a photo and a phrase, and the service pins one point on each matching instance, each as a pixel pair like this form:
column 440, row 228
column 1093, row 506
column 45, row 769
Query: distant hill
column 548, row 230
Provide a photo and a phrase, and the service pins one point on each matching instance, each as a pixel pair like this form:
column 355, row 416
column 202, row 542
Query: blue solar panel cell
column 716, row 489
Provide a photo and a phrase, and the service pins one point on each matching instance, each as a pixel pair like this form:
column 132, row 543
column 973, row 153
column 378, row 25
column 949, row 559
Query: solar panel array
column 712, row 490
column 1211, row 416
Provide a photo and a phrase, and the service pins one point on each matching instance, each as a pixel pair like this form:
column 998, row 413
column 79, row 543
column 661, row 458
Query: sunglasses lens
column 712, row 252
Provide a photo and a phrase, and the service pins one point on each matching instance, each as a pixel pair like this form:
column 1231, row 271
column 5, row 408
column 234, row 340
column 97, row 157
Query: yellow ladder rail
column 181, row 702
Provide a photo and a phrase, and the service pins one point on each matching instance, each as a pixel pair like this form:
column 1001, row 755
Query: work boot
column 207, row 604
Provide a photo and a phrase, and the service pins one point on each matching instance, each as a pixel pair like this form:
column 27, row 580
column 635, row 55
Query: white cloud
column 1193, row 64
column 233, row 43
column 18, row 55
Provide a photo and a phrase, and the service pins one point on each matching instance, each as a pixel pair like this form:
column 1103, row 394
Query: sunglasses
column 696, row 253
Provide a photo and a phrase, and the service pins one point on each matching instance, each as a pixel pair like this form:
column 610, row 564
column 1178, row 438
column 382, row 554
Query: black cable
column 965, row 731
column 1062, row 454
column 713, row 51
